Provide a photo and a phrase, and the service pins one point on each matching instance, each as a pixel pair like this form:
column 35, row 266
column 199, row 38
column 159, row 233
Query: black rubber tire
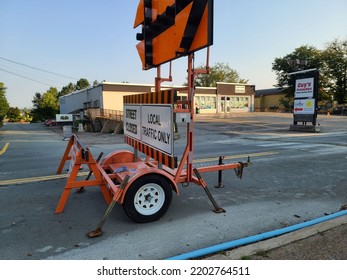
column 148, row 199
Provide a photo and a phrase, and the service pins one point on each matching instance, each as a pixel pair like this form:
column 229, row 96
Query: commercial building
column 100, row 107
column 268, row 100
column 106, row 96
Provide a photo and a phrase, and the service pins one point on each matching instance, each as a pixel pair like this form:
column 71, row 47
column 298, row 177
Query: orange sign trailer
column 144, row 187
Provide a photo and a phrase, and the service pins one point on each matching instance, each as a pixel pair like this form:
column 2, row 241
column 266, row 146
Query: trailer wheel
column 148, row 199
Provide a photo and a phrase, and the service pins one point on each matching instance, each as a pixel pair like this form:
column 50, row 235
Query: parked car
column 50, row 122
column 340, row 111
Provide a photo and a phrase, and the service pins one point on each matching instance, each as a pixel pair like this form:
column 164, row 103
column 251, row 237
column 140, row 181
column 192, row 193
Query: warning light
column 172, row 28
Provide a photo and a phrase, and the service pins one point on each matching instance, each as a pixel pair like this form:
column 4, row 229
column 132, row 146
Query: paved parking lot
column 294, row 177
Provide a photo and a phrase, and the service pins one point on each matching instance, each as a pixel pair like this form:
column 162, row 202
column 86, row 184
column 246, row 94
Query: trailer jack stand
column 98, row 231
column 217, row 209
column 220, row 173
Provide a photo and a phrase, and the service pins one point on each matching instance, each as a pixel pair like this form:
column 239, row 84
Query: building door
column 225, row 104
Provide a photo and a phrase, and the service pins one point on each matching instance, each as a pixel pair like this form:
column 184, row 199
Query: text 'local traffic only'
column 150, row 124
column 154, row 133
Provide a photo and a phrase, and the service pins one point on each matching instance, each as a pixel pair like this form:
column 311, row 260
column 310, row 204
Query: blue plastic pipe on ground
column 254, row 238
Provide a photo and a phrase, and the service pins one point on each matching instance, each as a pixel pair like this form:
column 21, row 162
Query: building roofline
column 235, row 84
column 147, row 85
column 269, row 91
column 123, row 83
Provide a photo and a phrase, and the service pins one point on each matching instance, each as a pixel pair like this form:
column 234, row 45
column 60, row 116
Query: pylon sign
column 306, row 96
column 172, row 28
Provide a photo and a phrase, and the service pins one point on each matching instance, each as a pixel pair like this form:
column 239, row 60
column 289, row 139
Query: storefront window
column 205, row 102
column 227, row 103
column 202, row 102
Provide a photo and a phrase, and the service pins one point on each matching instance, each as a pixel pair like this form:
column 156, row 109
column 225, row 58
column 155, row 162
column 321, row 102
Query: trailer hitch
column 239, row 170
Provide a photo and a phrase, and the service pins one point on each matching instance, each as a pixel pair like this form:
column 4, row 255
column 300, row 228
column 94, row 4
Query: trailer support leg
column 220, row 174
column 98, row 230
column 217, row 209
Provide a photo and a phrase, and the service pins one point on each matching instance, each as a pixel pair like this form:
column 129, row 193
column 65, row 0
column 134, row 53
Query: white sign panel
column 304, row 88
column 132, row 121
column 157, row 127
column 63, row 117
column 240, row 89
column 304, row 106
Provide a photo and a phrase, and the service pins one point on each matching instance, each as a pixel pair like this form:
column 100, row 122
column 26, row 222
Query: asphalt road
column 295, row 177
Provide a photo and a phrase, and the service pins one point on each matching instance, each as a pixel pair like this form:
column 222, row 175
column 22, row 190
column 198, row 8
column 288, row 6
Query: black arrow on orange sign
column 192, row 26
column 191, row 33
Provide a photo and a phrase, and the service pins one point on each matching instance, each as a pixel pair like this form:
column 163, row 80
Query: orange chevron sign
column 172, row 28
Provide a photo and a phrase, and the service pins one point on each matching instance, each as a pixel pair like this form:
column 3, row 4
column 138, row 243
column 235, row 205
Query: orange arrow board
column 171, row 29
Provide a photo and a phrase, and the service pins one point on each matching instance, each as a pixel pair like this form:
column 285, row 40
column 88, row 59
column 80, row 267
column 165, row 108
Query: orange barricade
column 80, row 155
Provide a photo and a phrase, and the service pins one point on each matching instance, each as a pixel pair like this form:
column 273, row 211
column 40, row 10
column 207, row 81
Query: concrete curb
column 252, row 249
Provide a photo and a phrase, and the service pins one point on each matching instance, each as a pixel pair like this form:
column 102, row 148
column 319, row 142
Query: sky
column 73, row 39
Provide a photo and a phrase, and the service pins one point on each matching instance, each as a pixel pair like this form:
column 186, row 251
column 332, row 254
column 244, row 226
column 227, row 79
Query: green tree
column 26, row 114
column 220, row 72
column 304, row 57
column 36, row 100
column 82, row 83
column 14, row 114
column 45, row 106
column 335, row 60
column 3, row 102
column 288, row 64
column 50, row 100
column 67, row 89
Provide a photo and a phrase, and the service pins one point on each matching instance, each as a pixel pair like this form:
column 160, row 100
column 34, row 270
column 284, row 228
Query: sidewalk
column 324, row 241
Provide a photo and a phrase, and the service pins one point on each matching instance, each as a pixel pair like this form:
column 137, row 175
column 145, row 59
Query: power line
column 26, row 72
column 42, row 70
column 26, row 78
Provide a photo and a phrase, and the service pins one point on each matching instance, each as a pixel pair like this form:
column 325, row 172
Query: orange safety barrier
column 79, row 155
